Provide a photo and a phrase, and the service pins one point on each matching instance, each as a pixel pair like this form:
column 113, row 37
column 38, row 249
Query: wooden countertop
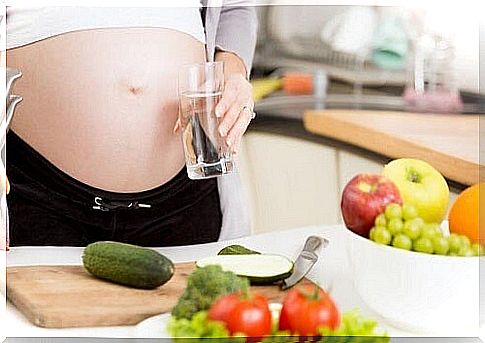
column 449, row 142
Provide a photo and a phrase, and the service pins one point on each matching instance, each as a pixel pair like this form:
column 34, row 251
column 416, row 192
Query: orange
column 464, row 214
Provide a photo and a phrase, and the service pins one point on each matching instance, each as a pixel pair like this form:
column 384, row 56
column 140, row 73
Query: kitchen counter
column 450, row 142
column 287, row 243
column 331, row 272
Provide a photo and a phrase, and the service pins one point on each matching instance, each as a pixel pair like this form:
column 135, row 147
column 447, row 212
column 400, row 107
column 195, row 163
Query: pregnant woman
column 95, row 151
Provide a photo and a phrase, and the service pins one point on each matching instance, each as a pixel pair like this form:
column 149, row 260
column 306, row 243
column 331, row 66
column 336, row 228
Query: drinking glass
column 206, row 151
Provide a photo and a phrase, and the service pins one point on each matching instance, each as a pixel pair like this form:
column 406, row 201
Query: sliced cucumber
column 236, row 250
column 258, row 268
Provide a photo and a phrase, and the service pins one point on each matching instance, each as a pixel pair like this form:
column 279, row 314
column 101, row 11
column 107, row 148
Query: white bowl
column 414, row 291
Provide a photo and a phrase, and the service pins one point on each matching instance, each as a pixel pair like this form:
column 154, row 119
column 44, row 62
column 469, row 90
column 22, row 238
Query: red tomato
column 223, row 306
column 307, row 309
column 250, row 316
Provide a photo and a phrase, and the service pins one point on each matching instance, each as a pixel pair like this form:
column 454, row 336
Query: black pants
column 48, row 207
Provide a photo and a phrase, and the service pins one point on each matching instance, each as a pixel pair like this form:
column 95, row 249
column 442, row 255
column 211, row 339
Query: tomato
column 247, row 315
column 223, row 306
column 307, row 309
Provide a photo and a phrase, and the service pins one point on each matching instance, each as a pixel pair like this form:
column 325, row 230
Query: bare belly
column 101, row 104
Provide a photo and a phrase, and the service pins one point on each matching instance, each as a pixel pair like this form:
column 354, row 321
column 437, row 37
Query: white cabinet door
column 290, row 182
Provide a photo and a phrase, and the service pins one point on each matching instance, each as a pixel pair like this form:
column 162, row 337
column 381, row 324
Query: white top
column 26, row 25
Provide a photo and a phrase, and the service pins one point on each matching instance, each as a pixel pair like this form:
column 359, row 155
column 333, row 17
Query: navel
column 134, row 87
column 136, row 90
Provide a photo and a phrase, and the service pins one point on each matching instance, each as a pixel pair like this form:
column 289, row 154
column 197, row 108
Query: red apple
column 365, row 197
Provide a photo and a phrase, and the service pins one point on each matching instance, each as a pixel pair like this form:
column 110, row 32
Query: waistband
column 30, row 168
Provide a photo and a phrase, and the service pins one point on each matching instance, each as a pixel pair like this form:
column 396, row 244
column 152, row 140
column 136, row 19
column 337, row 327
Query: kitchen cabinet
column 290, row 182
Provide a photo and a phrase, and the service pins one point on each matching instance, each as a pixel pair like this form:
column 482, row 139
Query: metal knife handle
column 313, row 243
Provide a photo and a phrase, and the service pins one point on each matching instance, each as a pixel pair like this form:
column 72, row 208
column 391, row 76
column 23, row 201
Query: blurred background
column 421, row 58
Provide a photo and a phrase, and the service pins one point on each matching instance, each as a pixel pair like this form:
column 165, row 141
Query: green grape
column 452, row 253
column 423, row 244
column 465, row 241
column 420, row 221
column 380, row 220
column 440, row 245
column 371, row 233
column 478, row 249
column 455, row 242
column 395, row 226
column 382, row 235
column 431, row 230
column 402, row 241
column 381, row 227
column 466, row 251
column 412, row 228
column 434, row 227
column 409, row 211
column 393, row 211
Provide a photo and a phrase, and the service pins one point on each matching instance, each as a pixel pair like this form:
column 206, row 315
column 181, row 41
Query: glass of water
column 200, row 89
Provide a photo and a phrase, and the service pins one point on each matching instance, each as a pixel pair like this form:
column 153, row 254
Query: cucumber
column 258, row 268
column 237, row 250
column 127, row 264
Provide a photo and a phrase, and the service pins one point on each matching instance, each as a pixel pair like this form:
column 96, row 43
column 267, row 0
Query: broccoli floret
column 204, row 286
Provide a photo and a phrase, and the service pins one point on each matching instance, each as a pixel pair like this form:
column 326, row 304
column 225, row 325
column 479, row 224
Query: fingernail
column 229, row 142
column 177, row 126
column 222, row 132
column 218, row 112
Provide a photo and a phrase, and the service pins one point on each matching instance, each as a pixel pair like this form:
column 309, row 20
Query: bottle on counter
column 432, row 85
column 320, row 85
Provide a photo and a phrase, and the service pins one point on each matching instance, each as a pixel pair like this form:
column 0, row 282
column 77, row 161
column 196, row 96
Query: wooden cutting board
column 68, row 296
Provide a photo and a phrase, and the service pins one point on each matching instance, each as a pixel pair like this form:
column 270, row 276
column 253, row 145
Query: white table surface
column 331, row 271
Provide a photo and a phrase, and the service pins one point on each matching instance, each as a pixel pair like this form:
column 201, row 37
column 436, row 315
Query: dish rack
column 312, row 53
column 308, row 51
column 314, row 49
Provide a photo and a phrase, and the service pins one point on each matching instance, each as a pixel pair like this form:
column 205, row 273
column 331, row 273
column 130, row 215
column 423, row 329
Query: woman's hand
column 235, row 109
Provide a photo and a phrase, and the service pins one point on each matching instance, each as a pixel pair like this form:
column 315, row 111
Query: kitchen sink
column 293, row 106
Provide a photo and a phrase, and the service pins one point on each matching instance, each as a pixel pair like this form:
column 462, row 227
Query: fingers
column 229, row 96
column 234, row 111
column 236, row 132
column 230, row 118
column 177, row 127
column 237, row 94
column 185, row 109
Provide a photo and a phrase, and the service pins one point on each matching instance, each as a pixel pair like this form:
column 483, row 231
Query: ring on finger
column 249, row 111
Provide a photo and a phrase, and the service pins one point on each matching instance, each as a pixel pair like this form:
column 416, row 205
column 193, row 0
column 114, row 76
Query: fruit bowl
column 414, row 291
